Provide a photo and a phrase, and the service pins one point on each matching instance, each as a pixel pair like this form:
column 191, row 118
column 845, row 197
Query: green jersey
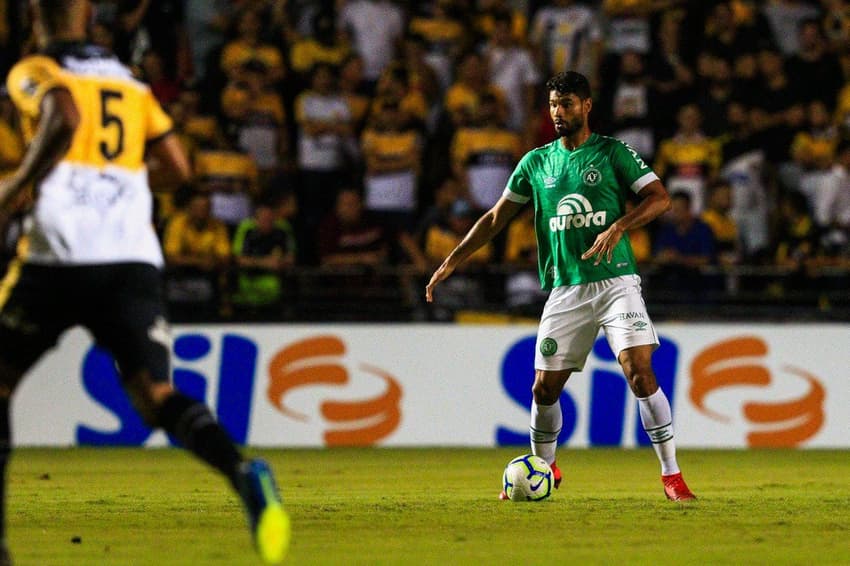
column 578, row 194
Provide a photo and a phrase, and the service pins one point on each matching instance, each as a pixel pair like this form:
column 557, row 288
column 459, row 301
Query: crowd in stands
column 359, row 135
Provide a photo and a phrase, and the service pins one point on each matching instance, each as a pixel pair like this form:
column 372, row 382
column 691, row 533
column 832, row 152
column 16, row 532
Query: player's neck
column 573, row 141
column 64, row 36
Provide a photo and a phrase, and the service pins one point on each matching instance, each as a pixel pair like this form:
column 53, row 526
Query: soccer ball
column 527, row 478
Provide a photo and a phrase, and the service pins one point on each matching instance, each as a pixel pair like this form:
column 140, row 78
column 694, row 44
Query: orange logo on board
column 319, row 361
column 739, row 361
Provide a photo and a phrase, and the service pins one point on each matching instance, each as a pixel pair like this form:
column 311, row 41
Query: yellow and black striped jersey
column 94, row 206
column 488, row 157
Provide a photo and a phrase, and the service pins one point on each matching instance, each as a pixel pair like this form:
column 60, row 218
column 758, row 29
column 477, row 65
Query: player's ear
column 587, row 103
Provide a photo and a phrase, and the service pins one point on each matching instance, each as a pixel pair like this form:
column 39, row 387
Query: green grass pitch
column 432, row 506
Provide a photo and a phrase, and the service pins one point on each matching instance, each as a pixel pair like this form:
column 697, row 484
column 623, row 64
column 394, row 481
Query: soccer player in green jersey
column 579, row 184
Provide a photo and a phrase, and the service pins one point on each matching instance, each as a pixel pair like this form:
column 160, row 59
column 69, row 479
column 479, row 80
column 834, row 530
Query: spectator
column 522, row 286
column 672, row 73
column 831, row 201
column 447, row 192
column 745, row 77
column 690, row 159
column 744, row 169
column 323, row 46
column 373, row 29
column 352, row 89
column 463, row 97
column 814, row 147
column 263, row 248
column 392, row 153
column 197, row 253
column 394, row 85
column 781, row 112
column 833, row 212
column 568, row 35
column 423, row 78
column 166, row 89
column 512, row 69
column 489, row 10
column 485, row 153
column 797, row 231
column 716, row 97
column 257, row 120
column 629, row 27
column 463, row 290
column 836, row 25
column 348, row 237
column 445, row 37
column 718, row 217
column 628, row 105
column 230, row 178
column 725, row 38
column 206, row 27
column 249, row 45
column 163, row 22
column 784, row 18
column 683, row 245
column 795, row 244
column 325, row 146
column 816, row 70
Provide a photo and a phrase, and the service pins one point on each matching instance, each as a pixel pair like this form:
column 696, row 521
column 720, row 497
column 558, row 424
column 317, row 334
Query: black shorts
column 121, row 304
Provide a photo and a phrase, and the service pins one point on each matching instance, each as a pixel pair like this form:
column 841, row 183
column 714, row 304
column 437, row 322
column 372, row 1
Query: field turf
column 432, row 506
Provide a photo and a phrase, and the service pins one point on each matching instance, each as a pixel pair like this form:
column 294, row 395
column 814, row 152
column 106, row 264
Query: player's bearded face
column 568, row 113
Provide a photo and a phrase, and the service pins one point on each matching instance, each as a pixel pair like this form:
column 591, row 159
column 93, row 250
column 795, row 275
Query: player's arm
column 169, row 154
column 59, row 120
column 654, row 201
column 484, row 230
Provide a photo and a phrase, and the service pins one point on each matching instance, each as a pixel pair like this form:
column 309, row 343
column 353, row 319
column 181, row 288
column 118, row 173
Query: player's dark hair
column 570, row 82
column 54, row 13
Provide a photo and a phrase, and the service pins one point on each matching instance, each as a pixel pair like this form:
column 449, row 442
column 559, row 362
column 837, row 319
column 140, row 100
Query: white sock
column 546, row 421
column 657, row 419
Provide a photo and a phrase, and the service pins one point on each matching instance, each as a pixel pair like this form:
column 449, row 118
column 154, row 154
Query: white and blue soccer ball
column 527, row 478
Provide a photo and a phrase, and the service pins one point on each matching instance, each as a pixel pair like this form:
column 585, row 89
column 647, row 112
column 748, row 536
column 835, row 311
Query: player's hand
column 442, row 273
column 604, row 245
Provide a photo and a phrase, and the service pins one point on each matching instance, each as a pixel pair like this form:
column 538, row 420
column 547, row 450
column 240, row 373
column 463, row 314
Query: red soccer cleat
column 556, row 474
column 676, row 489
column 503, row 496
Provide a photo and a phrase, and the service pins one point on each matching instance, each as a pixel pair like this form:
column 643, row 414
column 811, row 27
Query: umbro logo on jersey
column 549, row 182
column 575, row 211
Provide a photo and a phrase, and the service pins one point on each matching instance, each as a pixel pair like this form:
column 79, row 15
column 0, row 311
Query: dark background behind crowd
column 342, row 149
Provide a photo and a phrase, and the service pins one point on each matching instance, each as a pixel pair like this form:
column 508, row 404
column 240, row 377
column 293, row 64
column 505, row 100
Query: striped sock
column 194, row 426
column 546, row 421
column 657, row 419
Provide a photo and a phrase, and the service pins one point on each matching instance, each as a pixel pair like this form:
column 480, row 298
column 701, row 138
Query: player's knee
column 641, row 381
column 147, row 397
column 545, row 393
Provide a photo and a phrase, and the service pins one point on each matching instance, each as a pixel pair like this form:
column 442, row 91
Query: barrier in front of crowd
column 452, row 385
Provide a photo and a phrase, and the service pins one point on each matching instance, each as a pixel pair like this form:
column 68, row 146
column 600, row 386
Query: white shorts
column 573, row 315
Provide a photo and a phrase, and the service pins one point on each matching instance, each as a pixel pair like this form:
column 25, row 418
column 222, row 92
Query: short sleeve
column 30, row 80
column 519, row 187
column 158, row 123
column 630, row 168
